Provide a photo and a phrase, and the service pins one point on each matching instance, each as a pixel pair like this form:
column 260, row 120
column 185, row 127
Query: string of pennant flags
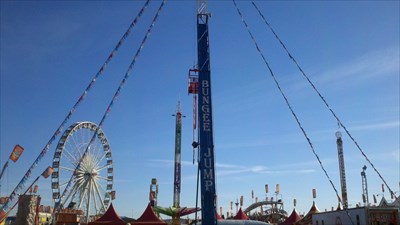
column 73, row 109
column 321, row 97
column 3, row 214
column 290, row 107
column 108, row 110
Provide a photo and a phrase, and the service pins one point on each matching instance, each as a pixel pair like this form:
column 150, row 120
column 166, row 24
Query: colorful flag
column 266, row 188
column 2, row 215
column 241, row 200
column 277, row 188
column 314, row 193
column 35, row 189
column 3, row 200
column 16, row 153
column 47, row 172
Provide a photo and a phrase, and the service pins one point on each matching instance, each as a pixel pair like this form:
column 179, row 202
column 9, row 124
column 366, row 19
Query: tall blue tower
column 206, row 156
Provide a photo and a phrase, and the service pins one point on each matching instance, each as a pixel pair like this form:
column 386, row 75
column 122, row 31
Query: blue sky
column 350, row 50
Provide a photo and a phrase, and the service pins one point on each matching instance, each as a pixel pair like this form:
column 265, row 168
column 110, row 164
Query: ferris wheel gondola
column 92, row 187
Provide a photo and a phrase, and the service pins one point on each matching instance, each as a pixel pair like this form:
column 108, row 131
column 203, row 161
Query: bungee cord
column 78, row 102
column 320, row 95
column 114, row 98
column 289, row 105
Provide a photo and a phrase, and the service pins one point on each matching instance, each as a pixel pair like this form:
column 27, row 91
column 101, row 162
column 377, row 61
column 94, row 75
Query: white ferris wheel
column 92, row 183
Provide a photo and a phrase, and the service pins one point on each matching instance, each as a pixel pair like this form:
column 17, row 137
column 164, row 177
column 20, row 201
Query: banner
column 16, row 153
column 2, row 215
column 3, row 200
column 47, row 172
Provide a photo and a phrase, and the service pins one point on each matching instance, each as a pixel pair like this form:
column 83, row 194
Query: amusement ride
column 83, row 169
column 92, row 187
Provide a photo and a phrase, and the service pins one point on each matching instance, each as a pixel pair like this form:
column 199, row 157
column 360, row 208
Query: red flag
column 3, row 200
column 47, row 172
column 16, row 153
column 2, row 215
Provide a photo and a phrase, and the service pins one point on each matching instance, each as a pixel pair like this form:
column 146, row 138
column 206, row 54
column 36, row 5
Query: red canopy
column 293, row 218
column 148, row 218
column 240, row 215
column 110, row 217
column 307, row 219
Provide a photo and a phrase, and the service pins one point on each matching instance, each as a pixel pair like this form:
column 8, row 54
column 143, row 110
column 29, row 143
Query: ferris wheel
column 91, row 190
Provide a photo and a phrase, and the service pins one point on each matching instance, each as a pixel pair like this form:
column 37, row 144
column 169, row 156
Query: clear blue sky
column 349, row 49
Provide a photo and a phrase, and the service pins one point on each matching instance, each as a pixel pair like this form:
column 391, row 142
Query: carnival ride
column 92, row 187
column 83, row 174
column 176, row 211
column 267, row 211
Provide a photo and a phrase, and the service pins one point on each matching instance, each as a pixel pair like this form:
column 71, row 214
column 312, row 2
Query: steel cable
column 114, row 98
column 288, row 104
column 79, row 101
column 322, row 98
